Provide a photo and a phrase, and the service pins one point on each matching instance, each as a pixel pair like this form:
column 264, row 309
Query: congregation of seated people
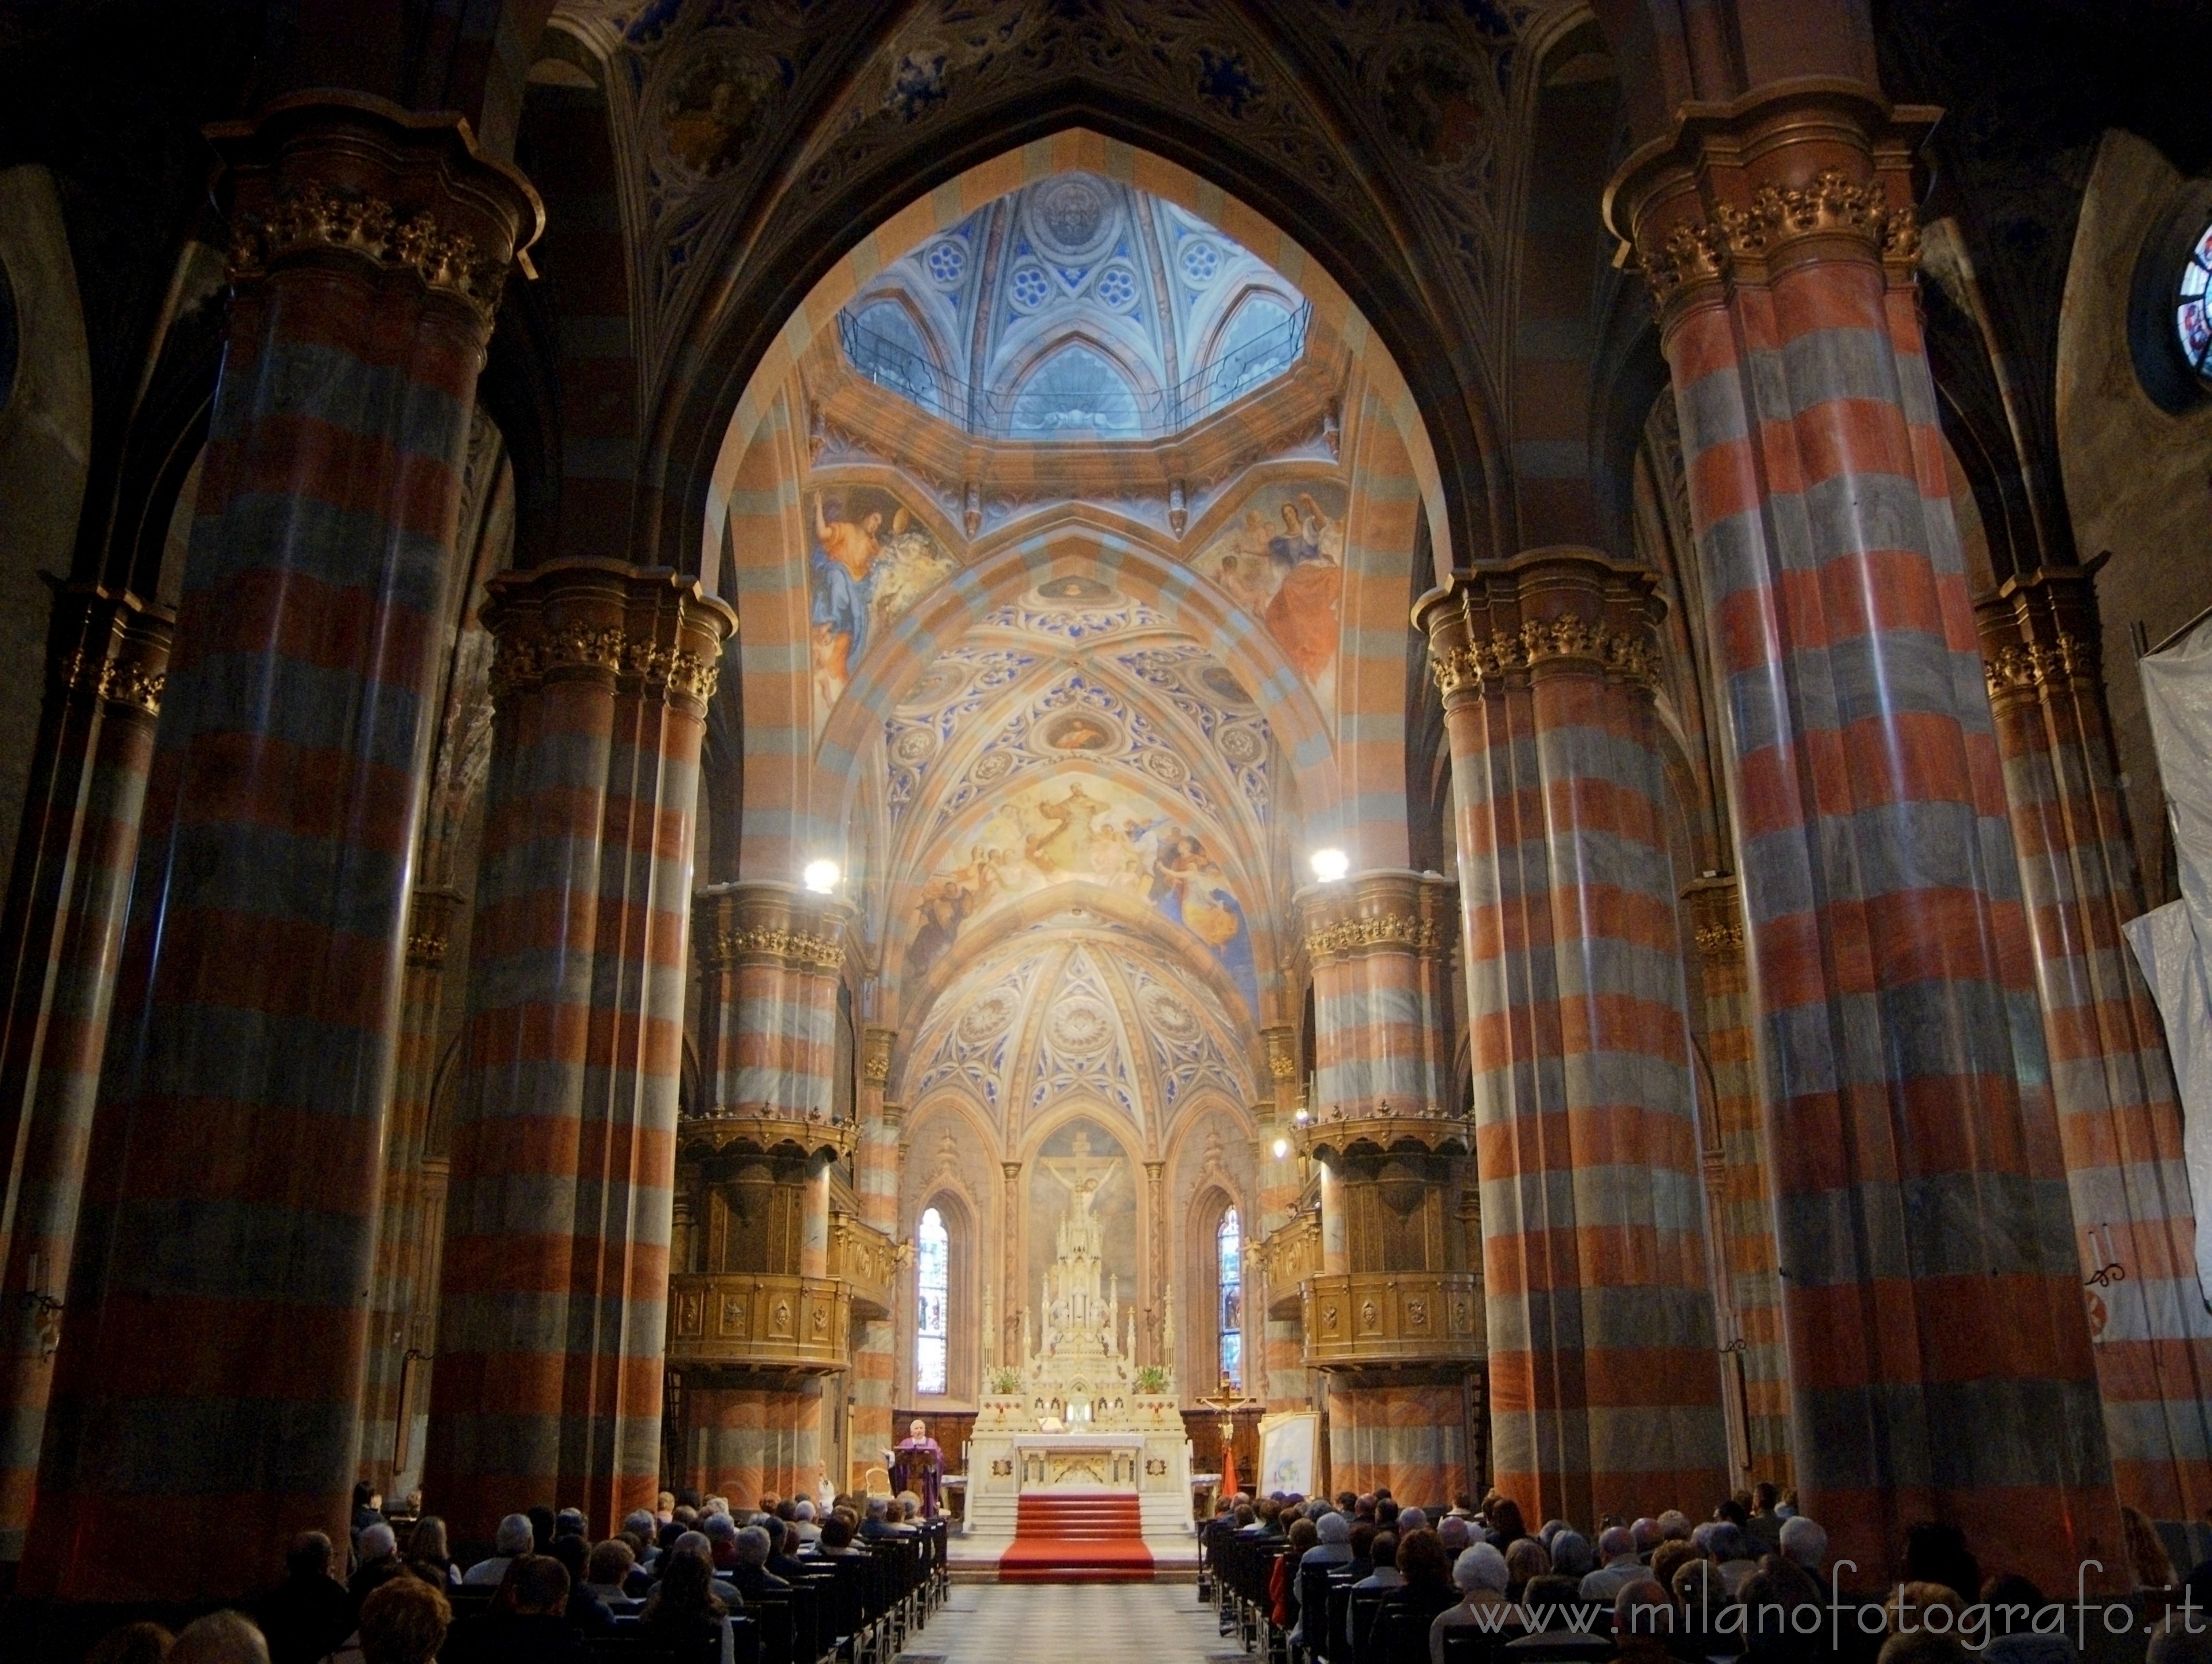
column 672, row 1579
column 1364, row 1579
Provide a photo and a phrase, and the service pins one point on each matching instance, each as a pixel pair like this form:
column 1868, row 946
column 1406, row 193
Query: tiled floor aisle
column 1051, row 1623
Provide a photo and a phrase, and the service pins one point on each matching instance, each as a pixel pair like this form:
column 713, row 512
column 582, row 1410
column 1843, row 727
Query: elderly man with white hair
column 1332, row 1544
column 803, row 1522
column 1571, row 1554
column 1804, row 1544
column 1481, row 1574
column 515, row 1539
column 1616, row 1548
column 378, row 1545
column 1332, row 1548
column 751, row 1574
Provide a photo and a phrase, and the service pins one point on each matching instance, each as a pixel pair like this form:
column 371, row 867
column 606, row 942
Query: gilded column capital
column 330, row 177
column 771, row 924
column 109, row 646
column 1385, row 911
column 1544, row 611
column 1716, row 906
column 644, row 629
column 430, row 914
column 1280, row 1042
column 876, row 1044
column 2040, row 633
column 1807, row 169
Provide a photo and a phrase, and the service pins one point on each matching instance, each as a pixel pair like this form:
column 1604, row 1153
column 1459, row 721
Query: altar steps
column 1078, row 1537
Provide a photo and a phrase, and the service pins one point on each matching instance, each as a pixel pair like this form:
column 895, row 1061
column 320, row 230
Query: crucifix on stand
column 1227, row 1399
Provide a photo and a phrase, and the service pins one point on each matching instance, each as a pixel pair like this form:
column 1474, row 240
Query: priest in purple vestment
column 918, row 1464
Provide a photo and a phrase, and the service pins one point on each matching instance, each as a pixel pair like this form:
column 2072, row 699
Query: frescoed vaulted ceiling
column 1039, row 675
column 1075, row 747
column 1075, row 1006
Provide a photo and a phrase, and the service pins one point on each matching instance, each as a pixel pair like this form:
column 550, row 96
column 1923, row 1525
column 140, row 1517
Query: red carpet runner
column 1078, row 1537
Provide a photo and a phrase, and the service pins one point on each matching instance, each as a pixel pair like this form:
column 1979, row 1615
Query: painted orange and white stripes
column 242, row 1097
column 2118, row 1115
column 107, row 658
column 1900, row 1036
column 554, row 1311
column 1604, row 1384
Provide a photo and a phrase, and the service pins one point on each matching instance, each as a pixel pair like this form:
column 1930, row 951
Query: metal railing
column 999, row 413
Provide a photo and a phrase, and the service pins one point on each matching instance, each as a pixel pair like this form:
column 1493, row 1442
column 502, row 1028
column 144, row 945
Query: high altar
column 1082, row 1419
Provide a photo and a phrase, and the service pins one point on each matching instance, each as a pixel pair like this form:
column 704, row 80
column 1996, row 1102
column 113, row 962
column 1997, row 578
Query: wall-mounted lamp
column 820, row 876
column 1330, row 865
column 1282, row 1148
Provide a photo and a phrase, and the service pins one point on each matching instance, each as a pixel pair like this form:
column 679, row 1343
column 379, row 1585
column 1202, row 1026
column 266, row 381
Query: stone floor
column 1048, row 1624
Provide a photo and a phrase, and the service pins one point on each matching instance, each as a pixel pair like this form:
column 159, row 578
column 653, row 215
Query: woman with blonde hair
column 404, row 1622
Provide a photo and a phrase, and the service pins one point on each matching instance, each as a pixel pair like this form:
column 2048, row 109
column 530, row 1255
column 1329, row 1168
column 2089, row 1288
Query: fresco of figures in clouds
column 869, row 559
column 1281, row 559
column 1080, row 828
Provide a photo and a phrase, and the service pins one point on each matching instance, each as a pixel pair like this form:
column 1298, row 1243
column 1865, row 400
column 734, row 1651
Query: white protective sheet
column 2173, row 944
column 2165, row 947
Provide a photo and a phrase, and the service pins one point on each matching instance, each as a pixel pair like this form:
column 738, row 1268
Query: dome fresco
column 1075, row 308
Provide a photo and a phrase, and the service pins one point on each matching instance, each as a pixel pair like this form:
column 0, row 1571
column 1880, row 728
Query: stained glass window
column 1228, row 1242
column 933, row 1261
column 2191, row 322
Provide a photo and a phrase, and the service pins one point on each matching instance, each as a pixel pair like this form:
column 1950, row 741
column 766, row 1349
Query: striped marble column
column 1279, row 1379
column 1401, row 1429
column 745, row 1436
column 1930, row 1279
column 1740, row 1192
column 876, row 1179
column 771, row 957
column 402, row 1290
column 242, row 1096
column 1021, row 1324
column 2118, row 1116
column 107, row 655
column 1604, row 1382
column 1376, row 944
column 553, row 1290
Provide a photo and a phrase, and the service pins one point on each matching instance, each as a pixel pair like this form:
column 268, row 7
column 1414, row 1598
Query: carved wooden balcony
column 719, row 1130
column 867, row 1261
column 1371, row 1319
column 1288, row 1256
column 760, row 1320
column 1333, row 1136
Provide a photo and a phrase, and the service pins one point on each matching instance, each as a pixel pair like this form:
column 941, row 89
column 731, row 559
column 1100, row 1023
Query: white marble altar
column 1085, row 1417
